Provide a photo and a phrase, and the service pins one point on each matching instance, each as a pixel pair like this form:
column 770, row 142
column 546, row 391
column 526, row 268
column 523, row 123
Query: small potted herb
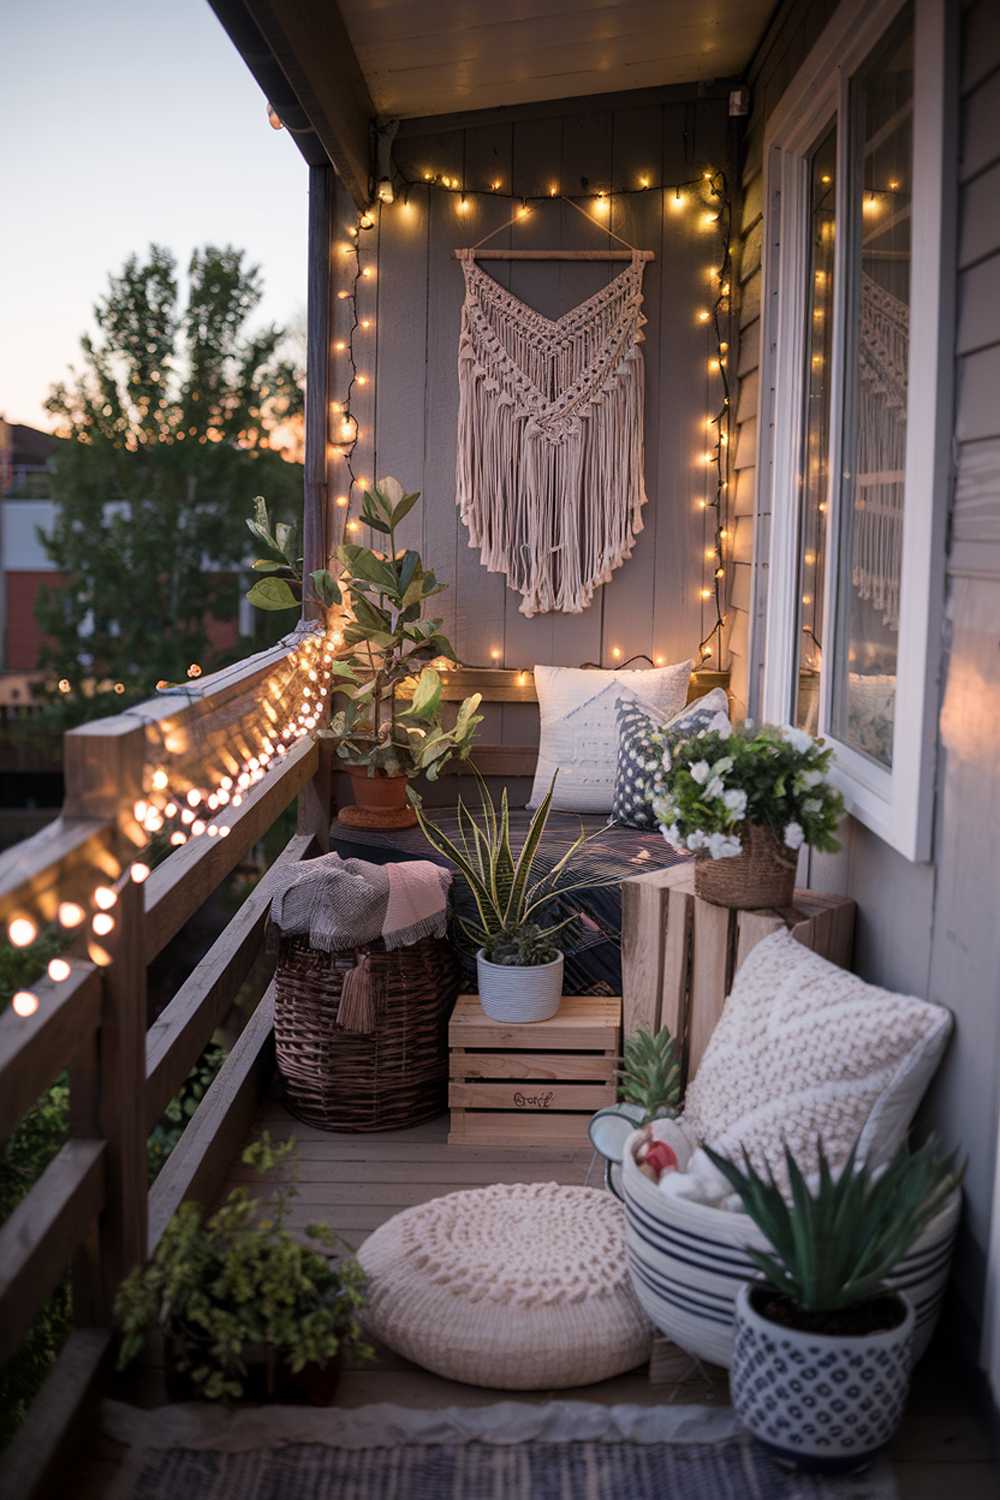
column 390, row 729
column 246, row 1309
column 744, row 801
column 823, row 1343
column 519, row 963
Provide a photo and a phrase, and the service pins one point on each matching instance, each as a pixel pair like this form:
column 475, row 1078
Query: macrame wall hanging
column 878, row 528
column 549, row 474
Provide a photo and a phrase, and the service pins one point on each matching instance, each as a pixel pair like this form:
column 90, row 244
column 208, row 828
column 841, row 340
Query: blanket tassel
column 356, row 1011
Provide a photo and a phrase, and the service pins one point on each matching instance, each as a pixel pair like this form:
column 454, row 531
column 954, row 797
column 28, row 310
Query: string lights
column 707, row 197
column 285, row 711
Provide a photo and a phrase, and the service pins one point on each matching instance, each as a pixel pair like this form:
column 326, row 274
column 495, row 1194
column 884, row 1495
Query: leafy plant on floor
column 833, row 1249
column 392, row 722
column 650, row 1075
column 225, row 1288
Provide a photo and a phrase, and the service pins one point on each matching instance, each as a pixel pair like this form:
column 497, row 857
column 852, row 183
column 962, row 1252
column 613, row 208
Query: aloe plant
column 650, row 1075
column 507, row 895
column 391, row 722
column 834, row 1248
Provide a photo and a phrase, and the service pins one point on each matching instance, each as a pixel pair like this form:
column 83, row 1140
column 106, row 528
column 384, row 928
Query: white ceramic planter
column 514, row 994
column 688, row 1262
column 822, row 1402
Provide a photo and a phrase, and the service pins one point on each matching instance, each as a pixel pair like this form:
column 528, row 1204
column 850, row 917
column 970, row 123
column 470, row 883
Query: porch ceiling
column 432, row 57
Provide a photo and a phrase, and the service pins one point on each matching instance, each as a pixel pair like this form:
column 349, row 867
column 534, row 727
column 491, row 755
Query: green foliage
column 715, row 783
column 523, row 948
column 834, row 1248
column 650, row 1075
column 222, row 1289
column 168, row 1130
column 505, row 894
column 175, row 416
column 391, row 723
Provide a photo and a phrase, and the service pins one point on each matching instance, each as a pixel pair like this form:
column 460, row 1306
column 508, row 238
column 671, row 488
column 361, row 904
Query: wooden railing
column 91, row 1213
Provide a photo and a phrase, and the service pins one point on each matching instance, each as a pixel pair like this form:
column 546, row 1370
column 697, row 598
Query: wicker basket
column 763, row 875
column 386, row 1078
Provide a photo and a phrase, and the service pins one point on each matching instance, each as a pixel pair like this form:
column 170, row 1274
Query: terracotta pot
column 379, row 802
column 763, row 875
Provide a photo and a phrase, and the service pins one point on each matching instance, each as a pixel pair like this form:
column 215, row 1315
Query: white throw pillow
column 803, row 1050
column 578, row 733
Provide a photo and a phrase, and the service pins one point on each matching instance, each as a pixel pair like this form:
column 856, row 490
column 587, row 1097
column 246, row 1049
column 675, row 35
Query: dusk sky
column 125, row 122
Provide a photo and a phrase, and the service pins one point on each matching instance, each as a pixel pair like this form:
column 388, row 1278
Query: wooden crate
column 679, row 953
column 519, row 1085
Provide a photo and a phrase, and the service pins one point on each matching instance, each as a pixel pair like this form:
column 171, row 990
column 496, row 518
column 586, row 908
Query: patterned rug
column 510, row 1451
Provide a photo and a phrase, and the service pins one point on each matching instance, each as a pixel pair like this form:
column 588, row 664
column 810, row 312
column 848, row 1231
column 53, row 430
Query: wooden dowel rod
column 557, row 254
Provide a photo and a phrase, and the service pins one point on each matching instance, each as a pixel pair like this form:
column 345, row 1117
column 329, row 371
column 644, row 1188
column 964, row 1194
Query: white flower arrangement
column 716, row 784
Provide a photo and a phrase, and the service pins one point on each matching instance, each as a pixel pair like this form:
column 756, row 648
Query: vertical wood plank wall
column 652, row 604
column 925, row 929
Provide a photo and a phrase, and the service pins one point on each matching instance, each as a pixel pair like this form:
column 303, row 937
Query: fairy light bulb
column 193, row 797
column 178, row 838
column 103, row 923
column 24, row 1003
column 677, row 200
column 342, row 501
column 160, row 780
column 462, row 205
column 340, row 346
column 553, row 189
column 105, row 897
column 703, row 315
column 139, row 871
column 22, row 931
column 616, row 653
column 197, row 828
column 59, row 970
column 601, row 204
column 70, row 913
column 705, row 593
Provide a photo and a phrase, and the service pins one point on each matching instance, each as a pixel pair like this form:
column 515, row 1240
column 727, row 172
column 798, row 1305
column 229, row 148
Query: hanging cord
column 604, row 228
column 517, row 218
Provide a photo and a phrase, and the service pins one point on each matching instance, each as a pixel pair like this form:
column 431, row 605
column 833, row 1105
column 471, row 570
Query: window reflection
column 877, row 347
column 813, row 477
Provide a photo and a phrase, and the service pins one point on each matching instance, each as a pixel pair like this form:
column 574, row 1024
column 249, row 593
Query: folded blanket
column 342, row 905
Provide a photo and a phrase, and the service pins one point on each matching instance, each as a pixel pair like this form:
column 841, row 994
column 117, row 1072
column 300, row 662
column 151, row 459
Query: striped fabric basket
column 687, row 1263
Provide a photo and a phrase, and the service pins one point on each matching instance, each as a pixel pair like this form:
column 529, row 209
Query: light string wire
column 719, row 327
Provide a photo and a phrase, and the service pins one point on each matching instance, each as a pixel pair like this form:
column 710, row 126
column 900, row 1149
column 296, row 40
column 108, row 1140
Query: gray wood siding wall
column 932, row 929
column 652, row 604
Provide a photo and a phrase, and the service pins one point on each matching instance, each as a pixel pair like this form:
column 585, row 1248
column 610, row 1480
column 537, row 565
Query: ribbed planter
column 823, row 1402
column 763, row 875
column 688, row 1262
column 507, row 993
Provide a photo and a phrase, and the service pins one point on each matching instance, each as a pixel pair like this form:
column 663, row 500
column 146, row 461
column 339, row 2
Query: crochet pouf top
column 518, row 1287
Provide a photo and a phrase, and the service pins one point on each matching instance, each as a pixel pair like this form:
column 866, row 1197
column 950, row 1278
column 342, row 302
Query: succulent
column 522, row 948
column 650, row 1075
column 834, row 1248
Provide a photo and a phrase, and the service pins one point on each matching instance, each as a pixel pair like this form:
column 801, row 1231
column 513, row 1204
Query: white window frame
column 896, row 804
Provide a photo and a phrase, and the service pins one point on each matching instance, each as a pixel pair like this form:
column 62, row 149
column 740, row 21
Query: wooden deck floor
column 355, row 1183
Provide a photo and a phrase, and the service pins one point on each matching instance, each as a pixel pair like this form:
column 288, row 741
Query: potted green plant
column 390, row 728
column 744, row 801
column 649, row 1088
column 519, row 963
column 244, row 1307
column 823, row 1346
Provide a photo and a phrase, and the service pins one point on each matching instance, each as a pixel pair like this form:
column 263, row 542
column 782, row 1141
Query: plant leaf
column 273, row 593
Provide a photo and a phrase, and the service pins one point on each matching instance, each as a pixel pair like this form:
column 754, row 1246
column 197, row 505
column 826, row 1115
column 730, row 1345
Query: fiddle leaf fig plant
column 391, row 723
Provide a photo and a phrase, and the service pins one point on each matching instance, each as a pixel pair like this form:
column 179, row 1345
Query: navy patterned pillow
column 642, row 737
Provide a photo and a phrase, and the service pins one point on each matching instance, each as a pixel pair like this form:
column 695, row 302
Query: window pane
column 876, row 353
column 813, row 477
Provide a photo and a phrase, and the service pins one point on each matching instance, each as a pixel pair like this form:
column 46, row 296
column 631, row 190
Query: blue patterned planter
column 820, row 1402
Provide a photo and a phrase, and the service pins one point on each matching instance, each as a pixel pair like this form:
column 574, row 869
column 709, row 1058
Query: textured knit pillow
column 642, row 738
column 803, row 1050
column 577, row 732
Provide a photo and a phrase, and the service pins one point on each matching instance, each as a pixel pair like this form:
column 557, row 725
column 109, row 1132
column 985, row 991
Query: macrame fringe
column 878, row 499
column 549, row 473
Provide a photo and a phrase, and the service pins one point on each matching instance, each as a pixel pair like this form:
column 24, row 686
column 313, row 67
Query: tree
column 179, row 415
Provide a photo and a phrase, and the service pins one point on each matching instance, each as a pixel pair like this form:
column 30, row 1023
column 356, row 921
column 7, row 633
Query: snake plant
column 507, row 892
column 834, row 1248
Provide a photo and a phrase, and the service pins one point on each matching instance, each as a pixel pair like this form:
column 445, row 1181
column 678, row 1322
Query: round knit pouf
column 518, row 1287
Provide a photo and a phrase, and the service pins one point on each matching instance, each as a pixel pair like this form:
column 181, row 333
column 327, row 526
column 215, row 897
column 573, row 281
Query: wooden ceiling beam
column 301, row 55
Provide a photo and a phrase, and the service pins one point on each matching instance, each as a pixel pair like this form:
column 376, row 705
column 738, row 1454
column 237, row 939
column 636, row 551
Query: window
column 854, row 463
